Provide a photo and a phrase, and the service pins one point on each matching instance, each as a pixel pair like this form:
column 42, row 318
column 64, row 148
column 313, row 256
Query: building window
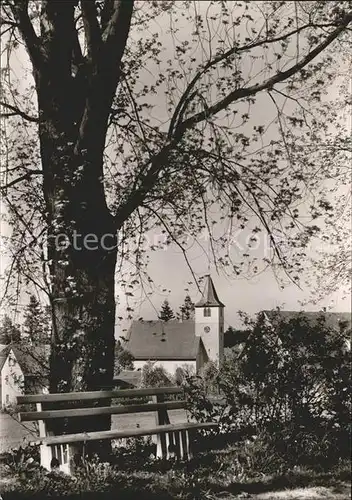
column 207, row 312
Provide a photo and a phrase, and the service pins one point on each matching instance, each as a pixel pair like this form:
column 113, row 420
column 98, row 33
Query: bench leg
column 46, row 456
column 178, row 445
column 161, row 446
column 58, row 456
column 186, row 450
column 174, row 444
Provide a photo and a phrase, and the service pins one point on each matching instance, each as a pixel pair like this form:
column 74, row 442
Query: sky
column 172, row 279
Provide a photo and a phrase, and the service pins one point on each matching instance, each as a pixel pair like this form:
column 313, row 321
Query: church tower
column 209, row 322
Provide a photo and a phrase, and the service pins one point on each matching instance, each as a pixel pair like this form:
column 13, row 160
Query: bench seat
column 172, row 440
column 116, row 434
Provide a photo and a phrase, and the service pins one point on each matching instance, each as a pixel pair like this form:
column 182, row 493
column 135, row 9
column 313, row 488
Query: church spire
column 210, row 297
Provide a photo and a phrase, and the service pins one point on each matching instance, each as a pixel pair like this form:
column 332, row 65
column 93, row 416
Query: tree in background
column 93, row 153
column 9, row 331
column 123, row 359
column 210, row 376
column 36, row 322
column 234, row 337
column 289, row 386
column 183, row 373
column 187, row 309
column 155, row 376
column 166, row 313
column 290, row 371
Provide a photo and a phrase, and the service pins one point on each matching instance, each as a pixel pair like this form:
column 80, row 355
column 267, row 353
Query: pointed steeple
column 210, row 297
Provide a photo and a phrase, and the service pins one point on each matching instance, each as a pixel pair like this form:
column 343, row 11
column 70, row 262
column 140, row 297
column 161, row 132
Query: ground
column 337, row 490
column 213, row 476
column 341, row 492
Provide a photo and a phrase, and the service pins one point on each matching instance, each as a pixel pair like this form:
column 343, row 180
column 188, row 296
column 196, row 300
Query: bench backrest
column 85, row 403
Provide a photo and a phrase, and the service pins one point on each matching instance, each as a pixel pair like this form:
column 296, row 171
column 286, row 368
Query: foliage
column 187, row 309
column 201, row 407
column 155, row 376
column 247, row 467
column 289, row 386
column 182, row 373
column 289, row 371
column 9, row 332
column 23, row 459
column 166, row 313
column 123, row 359
column 234, row 337
column 90, row 151
column 210, row 376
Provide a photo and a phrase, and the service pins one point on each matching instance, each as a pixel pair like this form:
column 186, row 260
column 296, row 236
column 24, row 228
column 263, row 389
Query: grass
column 217, row 474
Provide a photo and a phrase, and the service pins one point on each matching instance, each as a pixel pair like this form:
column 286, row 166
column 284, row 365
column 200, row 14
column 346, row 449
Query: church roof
column 171, row 340
column 332, row 319
column 210, row 297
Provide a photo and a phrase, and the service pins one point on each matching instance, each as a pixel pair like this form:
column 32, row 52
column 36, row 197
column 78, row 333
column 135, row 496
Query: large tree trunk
column 75, row 90
column 83, row 335
column 75, row 94
column 82, row 256
column 82, row 249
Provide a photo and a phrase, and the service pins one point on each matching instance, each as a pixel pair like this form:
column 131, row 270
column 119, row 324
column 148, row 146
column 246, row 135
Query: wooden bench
column 171, row 439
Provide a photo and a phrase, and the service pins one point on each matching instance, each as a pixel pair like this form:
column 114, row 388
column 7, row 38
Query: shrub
column 155, row 376
column 24, row 459
column 288, row 384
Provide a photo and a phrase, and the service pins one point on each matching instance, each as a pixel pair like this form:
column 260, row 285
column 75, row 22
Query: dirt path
column 341, row 491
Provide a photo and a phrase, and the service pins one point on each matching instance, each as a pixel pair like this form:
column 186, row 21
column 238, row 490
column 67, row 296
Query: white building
column 12, row 377
column 23, row 368
column 174, row 344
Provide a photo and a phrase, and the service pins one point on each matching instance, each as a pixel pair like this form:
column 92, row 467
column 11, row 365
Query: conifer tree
column 9, row 331
column 187, row 308
column 36, row 322
column 166, row 313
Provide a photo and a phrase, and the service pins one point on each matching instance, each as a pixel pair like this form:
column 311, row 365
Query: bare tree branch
column 267, row 84
column 186, row 97
column 24, row 177
column 15, row 111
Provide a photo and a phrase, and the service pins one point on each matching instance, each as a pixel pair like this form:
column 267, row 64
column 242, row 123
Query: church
column 174, row 344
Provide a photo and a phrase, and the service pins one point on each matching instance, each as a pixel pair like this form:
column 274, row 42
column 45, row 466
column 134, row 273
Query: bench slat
column 83, row 396
column 102, row 410
column 115, row 434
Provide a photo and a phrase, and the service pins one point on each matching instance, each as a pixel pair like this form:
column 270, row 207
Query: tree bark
column 75, row 94
column 82, row 249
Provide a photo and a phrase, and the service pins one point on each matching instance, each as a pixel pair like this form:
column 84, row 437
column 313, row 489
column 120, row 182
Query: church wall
column 212, row 339
column 202, row 358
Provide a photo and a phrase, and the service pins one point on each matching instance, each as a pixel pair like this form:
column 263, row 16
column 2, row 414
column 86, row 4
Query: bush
column 155, row 376
column 24, row 459
column 289, row 384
